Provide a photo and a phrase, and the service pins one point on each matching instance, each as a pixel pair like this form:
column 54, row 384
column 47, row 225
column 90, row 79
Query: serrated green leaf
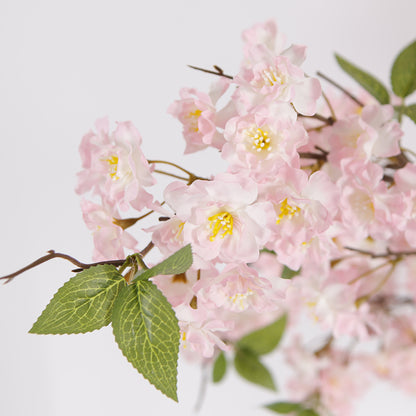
column 147, row 332
column 284, row 407
column 403, row 71
column 367, row 81
column 264, row 340
column 82, row 304
column 410, row 111
column 288, row 273
column 177, row 263
column 249, row 367
column 219, row 369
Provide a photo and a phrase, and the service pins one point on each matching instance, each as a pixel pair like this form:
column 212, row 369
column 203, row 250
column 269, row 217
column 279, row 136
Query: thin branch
column 311, row 155
column 162, row 172
column 53, row 255
column 81, row 266
column 147, row 249
column 192, row 177
column 335, row 84
column 380, row 285
column 328, row 103
column 388, row 253
column 329, row 121
column 218, row 71
column 368, row 272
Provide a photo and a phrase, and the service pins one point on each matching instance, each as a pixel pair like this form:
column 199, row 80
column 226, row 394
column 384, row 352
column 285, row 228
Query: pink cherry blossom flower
column 370, row 134
column 367, row 204
column 221, row 218
column 263, row 35
column 109, row 239
column 260, row 145
column 196, row 111
column 199, row 333
column 280, row 78
column 168, row 235
column 237, row 288
column 114, row 166
column 304, row 208
column 405, row 180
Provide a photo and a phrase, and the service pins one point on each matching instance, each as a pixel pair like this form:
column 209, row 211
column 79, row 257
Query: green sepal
column 177, row 263
column 147, row 331
column 249, row 367
column 220, row 368
column 410, row 111
column 82, row 304
column 264, row 340
column 367, row 81
column 403, row 71
column 284, row 407
column 288, row 273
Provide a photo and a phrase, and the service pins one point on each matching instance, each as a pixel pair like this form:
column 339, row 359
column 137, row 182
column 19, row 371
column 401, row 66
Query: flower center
column 287, row 211
column 258, row 139
column 221, row 223
column 113, row 163
column 239, row 299
column 193, row 117
column 272, row 76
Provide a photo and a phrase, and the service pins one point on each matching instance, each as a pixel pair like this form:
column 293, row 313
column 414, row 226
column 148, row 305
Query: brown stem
column 162, row 172
column 335, row 84
column 218, row 71
column 328, row 103
column 147, row 249
column 53, row 255
column 192, row 177
column 81, row 266
column 311, row 155
column 329, row 121
column 388, row 253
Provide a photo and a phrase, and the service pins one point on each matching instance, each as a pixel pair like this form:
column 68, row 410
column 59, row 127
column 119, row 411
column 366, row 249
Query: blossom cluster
column 315, row 183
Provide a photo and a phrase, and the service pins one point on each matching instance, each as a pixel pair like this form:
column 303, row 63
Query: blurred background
column 63, row 65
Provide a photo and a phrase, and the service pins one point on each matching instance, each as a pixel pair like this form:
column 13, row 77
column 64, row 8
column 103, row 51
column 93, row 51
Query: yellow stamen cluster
column 287, row 211
column 221, row 223
column 240, row 298
column 193, row 117
column 271, row 77
column 259, row 139
column 113, row 162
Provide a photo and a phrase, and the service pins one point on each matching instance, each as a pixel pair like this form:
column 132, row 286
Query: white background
column 64, row 64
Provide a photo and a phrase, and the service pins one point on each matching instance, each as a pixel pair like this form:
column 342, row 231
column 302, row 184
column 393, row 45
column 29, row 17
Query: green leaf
column 249, row 367
column 307, row 412
column 177, row 263
column 403, row 71
column 410, row 111
column 266, row 250
column 264, row 340
column 82, row 304
column 367, row 81
column 220, row 368
column 284, row 407
column 289, row 273
column 147, row 332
